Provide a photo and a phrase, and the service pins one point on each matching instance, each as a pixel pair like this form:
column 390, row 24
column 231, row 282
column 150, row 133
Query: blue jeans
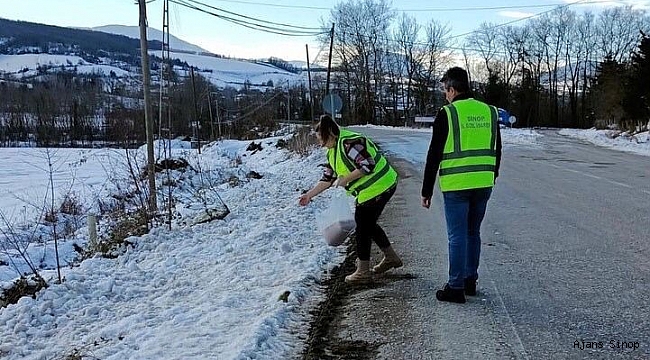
column 464, row 212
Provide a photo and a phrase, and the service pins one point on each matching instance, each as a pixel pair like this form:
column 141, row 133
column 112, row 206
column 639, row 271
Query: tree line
column 21, row 37
column 62, row 107
column 558, row 69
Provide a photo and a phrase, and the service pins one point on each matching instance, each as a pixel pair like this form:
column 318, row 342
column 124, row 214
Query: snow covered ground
column 26, row 65
column 206, row 291
column 638, row 144
column 230, row 72
column 198, row 291
column 220, row 71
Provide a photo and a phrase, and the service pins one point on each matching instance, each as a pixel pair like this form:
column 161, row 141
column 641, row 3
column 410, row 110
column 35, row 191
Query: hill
column 20, row 37
column 152, row 34
column 30, row 50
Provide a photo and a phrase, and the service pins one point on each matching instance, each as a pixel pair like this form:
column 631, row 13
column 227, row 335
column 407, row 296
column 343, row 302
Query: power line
column 252, row 18
column 248, row 24
column 463, row 48
column 504, row 7
column 524, row 18
column 479, row 8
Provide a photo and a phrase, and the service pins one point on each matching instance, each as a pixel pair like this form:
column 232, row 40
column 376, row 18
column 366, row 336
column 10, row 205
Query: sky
column 226, row 38
column 206, row 290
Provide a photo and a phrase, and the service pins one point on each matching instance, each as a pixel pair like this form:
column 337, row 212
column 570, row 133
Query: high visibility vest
column 369, row 186
column 469, row 156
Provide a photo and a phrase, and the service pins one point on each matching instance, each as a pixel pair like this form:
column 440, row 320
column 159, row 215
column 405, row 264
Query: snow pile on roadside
column 638, row 144
column 204, row 291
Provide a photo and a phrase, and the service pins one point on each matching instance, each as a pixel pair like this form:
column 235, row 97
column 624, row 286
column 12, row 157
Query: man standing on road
column 466, row 151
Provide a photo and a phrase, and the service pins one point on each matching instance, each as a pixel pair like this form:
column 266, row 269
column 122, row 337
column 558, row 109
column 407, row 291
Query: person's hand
column 426, row 202
column 304, row 199
column 341, row 181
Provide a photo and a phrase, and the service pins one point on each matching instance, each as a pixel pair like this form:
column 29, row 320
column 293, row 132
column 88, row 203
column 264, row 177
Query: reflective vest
column 469, row 156
column 369, row 186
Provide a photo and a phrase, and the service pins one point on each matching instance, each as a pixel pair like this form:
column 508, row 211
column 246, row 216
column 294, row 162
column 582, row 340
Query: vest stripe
column 467, row 169
column 344, row 158
column 468, row 153
column 372, row 180
column 456, row 128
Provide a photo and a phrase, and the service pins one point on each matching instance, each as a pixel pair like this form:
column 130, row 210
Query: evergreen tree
column 637, row 97
column 608, row 93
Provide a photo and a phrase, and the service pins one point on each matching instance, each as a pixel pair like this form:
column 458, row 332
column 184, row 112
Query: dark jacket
column 437, row 146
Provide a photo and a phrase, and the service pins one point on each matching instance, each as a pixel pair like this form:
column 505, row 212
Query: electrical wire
column 250, row 25
column 257, row 108
column 252, row 18
column 522, row 19
column 479, row 8
column 461, row 48
column 579, row 2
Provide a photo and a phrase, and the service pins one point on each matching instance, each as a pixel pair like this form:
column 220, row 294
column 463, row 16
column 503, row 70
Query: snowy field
column 26, row 65
column 220, row 71
column 229, row 72
column 198, row 291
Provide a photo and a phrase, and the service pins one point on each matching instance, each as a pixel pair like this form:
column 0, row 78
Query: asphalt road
column 566, row 247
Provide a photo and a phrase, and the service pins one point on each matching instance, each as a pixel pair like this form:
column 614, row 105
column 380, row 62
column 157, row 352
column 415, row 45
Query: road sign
column 332, row 104
column 425, row 119
column 512, row 119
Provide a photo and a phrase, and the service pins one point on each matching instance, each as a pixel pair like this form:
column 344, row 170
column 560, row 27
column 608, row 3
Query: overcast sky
column 226, row 38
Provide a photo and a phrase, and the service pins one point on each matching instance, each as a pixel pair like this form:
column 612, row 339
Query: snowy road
column 564, row 263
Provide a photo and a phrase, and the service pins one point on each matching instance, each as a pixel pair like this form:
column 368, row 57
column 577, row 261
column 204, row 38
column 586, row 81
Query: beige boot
column 362, row 275
column 390, row 260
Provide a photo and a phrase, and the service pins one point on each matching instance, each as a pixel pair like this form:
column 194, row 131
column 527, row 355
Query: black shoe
column 470, row 287
column 451, row 295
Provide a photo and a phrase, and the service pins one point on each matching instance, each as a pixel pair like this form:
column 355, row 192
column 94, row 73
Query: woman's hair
column 327, row 128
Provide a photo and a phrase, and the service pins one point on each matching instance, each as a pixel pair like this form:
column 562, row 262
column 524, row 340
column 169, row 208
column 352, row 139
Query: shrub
column 303, row 141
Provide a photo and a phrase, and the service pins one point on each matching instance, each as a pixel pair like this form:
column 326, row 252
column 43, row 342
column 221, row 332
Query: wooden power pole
column 146, row 79
column 311, row 94
column 329, row 62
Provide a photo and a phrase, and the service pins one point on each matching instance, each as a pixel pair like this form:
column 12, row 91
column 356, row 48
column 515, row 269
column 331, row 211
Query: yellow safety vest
column 369, row 186
column 469, row 156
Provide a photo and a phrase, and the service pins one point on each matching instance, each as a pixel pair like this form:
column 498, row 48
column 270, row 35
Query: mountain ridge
column 152, row 34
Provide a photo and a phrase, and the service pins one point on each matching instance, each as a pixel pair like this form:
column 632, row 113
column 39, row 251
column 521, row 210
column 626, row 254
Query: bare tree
column 360, row 41
column 435, row 57
column 511, row 41
column 406, row 36
column 618, row 32
column 485, row 41
column 587, row 34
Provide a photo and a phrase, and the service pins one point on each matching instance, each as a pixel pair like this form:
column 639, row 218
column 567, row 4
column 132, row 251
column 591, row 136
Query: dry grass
column 302, row 141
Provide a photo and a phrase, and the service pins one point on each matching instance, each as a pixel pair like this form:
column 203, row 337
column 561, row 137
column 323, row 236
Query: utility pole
column 196, row 113
column 216, row 104
column 151, row 171
column 211, row 117
column 311, row 100
column 288, row 102
column 329, row 61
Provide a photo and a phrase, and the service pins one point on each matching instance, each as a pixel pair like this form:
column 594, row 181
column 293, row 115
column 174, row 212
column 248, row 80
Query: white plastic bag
column 336, row 222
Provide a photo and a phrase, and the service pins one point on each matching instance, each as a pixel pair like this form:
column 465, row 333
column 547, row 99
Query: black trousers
column 366, row 216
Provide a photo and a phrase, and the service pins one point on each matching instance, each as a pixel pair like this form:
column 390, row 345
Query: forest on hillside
column 21, row 37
